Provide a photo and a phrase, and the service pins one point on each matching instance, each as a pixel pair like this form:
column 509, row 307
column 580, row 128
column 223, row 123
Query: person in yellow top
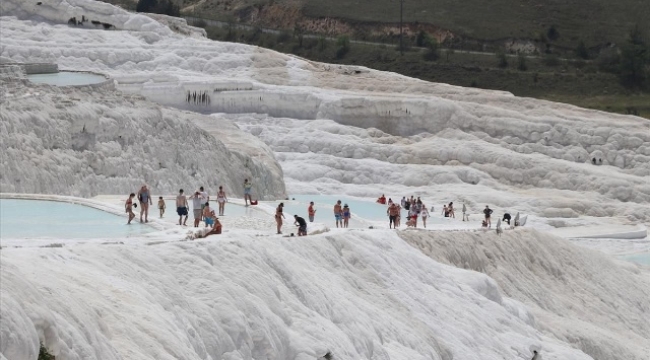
column 161, row 206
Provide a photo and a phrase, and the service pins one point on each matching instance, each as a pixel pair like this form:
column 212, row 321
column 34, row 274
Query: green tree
column 433, row 49
column 43, row 354
column 342, row 46
column 552, row 33
column 502, row 59
column 581, row 51
column 635, row 58
column 420, row 39
column 521, row 62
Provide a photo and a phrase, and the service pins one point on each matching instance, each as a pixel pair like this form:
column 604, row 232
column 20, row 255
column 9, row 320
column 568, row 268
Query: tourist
column 311, row 211
column 424, row 214
column 414, row 217
column 445, row 212
column 390, row 201
column 346, row 215
column 181, row 208
column 407, row 205
column 403, row 201
column 216, row 226
column 450, row 208
column 393, row 214
column 204, row 197
column 465, row 215
column 128, row 207
column 145, row 200
column 208, row 215
column 197, row 208
column 398, row 220
column 337, row 214
column 487, row 213
column 279, row 215
column 507, row 217
column 161, row 206
column 302, row 225
column 382, row 200
column 247, row 192
column 221, row 200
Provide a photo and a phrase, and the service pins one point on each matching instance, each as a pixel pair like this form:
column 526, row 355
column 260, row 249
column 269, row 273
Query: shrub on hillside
column 581, row 51
column 502, row 59
column 635, row 59
column 521, row 62
column 43, row 354
column 433, row 52
column 552, row 33
column 342, row 46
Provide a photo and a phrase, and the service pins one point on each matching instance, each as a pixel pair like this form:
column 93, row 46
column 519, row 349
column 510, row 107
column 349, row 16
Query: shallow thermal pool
column 364, row 211
column 51, row 219
column 639, row 258
column 67, row 78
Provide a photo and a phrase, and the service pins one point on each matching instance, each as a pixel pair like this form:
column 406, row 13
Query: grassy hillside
column 575, row 82
column 593, row 21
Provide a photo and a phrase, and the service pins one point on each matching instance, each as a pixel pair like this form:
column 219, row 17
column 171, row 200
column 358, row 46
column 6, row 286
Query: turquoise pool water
column 363, row 210
column 639, row 258
column 66, row 78
column 51, row 219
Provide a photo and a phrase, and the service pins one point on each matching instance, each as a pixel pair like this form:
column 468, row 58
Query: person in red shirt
column 311, row 211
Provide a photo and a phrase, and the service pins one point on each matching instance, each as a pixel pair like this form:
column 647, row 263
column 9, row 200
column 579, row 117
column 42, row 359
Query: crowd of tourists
column 202, row 211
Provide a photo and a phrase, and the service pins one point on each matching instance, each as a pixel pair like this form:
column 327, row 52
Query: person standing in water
column 204, row 197
column 247, row 192
column 346, row 215
column 424, row 214
column 181, row 208
column 221, row 200
column 279, row 215
column 208, row 215
column 311, row 211
column 145, row 200
column 337, row 214
column 128, row 207
column 161, row 206
column 197, row 208
column 393, row 214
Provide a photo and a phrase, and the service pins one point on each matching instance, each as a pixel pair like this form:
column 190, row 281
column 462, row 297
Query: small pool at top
column 22, row 219
column 67, row 78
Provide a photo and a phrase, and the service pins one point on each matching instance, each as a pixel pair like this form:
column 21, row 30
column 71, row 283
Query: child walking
column 161, row 206
column 128, row 207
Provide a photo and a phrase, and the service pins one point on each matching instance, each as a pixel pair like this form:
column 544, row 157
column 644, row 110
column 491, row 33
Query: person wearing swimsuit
column 279, row 215
column 247, row 192
column 145, row 200
column 346, row 215
column 337, row 214
column 128, row 207
column 221, row 199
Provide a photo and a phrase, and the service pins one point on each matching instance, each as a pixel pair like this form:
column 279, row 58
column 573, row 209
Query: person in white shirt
column 197, row 207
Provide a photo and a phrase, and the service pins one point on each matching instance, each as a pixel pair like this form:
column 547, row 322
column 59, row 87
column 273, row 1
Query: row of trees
column 166, row 7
